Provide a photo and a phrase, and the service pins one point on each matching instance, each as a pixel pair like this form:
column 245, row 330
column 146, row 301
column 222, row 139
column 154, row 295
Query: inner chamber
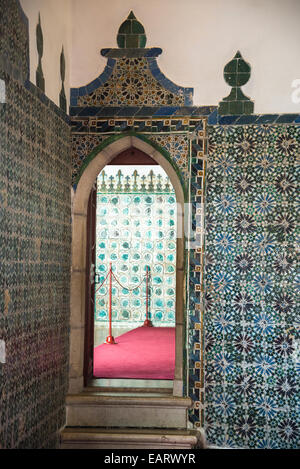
column 136, row 217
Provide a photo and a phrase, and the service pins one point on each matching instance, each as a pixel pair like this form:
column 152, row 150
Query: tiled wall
column 14, row 39
column 35, row 244
column 35, row 265
column 252, row 286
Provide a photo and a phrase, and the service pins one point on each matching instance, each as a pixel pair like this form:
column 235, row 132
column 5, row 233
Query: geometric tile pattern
column 35, row 242
column 130, row 84
column 252, row 334
column 177, row 145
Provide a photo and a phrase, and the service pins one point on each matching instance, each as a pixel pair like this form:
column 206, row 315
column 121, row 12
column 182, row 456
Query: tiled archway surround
column 101, row 158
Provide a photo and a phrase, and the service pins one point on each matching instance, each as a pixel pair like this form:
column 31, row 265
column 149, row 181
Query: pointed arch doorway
column 82, row 290
column 136, row 238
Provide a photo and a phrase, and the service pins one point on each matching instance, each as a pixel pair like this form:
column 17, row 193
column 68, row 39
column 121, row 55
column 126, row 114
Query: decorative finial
column 151, row 185
column 158, row 185
column 236, row 73
column 167, row 186
column 39, row 76
column 135, row 175
column 127, row 184
column 143, row 185
column 62, row 94
column 111, row 186
column 119, row 175
column 131, row 34
column 103, row 184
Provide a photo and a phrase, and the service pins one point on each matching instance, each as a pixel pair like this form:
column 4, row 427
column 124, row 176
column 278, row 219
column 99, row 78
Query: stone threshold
column 92, row 398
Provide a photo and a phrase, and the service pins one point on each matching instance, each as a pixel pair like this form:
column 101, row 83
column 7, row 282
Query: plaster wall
column 56, row 27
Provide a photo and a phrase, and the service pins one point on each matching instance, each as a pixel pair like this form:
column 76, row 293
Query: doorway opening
column 83, row 257
column 133, row 216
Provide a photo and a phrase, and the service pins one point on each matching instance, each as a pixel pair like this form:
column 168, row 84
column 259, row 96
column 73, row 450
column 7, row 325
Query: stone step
column 97, row 409
column 134, row 438
column 129, row 390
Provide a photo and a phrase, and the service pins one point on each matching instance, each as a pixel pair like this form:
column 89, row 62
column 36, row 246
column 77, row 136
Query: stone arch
column 79, row 231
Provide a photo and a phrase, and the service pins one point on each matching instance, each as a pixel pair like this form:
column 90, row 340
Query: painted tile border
column 181, row 111
column 75, row 93
column 142, row 111
column 289, row 118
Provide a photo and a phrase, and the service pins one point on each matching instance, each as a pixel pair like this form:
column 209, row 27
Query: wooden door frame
column 90, row 286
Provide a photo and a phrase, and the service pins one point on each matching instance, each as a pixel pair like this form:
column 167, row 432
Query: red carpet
column 143, row 353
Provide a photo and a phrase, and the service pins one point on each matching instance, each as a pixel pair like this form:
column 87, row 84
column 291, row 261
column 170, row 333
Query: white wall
column 56, row 27
column 198, row 38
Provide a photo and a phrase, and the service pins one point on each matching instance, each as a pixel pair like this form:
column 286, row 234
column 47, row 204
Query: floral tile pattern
column 177, row 145
column 82, row 146
column 252, row 287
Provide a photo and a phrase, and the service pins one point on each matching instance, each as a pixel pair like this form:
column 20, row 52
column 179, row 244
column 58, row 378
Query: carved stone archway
column 78, row 274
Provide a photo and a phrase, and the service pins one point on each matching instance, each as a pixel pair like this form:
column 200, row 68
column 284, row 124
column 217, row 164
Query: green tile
column 132, row 41
column 236, row 107
column 248, row 107
column 142, row 41
column 121, row 40
column 137, row 27
column 125, row 27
